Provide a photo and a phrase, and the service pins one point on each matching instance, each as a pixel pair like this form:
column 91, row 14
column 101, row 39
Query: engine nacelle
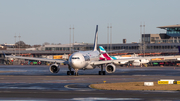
column 120, row 63
column 136, row 63
column 144, row 60
column 110, row 68
column 54, row 68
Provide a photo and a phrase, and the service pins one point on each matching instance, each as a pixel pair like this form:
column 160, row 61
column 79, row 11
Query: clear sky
column 39, row 21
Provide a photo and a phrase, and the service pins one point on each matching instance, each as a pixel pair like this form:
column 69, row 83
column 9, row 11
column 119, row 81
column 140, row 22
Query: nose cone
column 77, row 61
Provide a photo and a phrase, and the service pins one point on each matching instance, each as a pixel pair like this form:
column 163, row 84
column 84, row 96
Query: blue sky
column 39, row 21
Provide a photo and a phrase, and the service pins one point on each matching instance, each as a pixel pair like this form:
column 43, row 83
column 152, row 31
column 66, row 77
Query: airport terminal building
column 172, row 35
column 155, row 44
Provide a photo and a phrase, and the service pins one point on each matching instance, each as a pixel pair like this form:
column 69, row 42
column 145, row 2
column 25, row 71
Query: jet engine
column 120, row 63
column 110, row 68
column 54, row 68
column 144, row 60
column 136, row 63
column 139, row 62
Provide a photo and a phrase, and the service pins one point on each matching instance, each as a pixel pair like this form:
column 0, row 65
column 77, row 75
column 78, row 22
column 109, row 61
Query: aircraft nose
column 75, row 64
column 77, row 61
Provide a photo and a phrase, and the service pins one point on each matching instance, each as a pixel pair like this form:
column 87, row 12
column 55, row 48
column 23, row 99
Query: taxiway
column 38, row 83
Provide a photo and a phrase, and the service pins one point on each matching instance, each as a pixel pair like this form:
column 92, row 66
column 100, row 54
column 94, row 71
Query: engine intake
column 110, row 68
column 54, row 68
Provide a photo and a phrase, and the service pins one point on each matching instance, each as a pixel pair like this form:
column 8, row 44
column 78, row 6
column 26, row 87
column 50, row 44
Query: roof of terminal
column 170, row 26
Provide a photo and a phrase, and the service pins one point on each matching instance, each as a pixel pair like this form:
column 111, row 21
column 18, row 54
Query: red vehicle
column 167, row 63
column 161, row 63
column 39, row 63
column 177, row 64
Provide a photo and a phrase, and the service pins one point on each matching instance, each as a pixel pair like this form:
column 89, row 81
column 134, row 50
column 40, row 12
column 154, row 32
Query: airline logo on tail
column 104, row 55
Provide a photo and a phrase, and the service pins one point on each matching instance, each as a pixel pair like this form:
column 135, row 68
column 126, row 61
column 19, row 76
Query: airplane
column 136, row 61
column 79, row 60
column 85, row 60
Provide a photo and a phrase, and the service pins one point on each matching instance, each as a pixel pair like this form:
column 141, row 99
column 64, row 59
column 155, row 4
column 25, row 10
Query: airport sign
column 163, row 82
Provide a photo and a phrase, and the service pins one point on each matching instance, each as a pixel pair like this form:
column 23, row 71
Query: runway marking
column 163, row 91
column 11, row 71
column 104, row 99
column 139, row 75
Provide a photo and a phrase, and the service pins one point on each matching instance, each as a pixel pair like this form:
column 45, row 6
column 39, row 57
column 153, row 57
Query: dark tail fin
column 96, row 38
column 4, row 54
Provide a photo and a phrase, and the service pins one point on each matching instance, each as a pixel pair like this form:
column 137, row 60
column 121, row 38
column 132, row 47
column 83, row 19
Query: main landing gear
column 70, row 72
column 102, row 72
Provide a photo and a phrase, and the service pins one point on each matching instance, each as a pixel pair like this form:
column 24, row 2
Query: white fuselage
column 82, row 59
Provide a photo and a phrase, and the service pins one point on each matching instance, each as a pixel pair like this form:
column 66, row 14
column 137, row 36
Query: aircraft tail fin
column 102, row 50
column 4, row 54
column 104, row 55
column 96, row 38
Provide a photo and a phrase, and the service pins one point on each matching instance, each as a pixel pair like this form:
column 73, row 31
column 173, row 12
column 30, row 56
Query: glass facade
column 118, row 47
column 174, row 32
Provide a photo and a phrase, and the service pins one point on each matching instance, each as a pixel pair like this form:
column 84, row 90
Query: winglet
column 96, row 38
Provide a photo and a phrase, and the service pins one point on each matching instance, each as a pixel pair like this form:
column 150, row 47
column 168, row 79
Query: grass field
column 135, row 86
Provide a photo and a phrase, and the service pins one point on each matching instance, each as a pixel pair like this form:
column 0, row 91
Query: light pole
column 70, row 38
column 111, row 37
column 19, row 44
column 73, row 38
column 140, row 45
column 15, row 44
column 144, row 44
column 108, row 37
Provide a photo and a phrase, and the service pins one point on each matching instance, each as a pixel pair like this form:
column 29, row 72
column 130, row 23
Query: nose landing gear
column 76, row 72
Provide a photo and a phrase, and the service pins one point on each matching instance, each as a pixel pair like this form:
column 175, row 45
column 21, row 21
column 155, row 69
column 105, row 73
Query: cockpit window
column 75, row 57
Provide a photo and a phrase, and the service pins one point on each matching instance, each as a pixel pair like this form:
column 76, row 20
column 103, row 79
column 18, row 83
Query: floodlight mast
column 70, row 38
column 73, row 38
column 15, row 44
column 108, row 37
column 19, row 43
column 144, row 43
column 111, row 37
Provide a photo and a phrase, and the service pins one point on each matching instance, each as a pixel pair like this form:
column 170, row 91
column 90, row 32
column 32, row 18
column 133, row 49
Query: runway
column 38, row 83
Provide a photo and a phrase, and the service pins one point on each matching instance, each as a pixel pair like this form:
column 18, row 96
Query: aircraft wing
column 100, row 62
column 159, row 57
column 113, row 51
column 135, row 58
column 39, row 59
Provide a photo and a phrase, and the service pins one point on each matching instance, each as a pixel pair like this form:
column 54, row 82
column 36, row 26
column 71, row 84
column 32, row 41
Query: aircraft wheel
column 68, row 72
column 72, row 72
column 99, row 72
column 104, row 73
